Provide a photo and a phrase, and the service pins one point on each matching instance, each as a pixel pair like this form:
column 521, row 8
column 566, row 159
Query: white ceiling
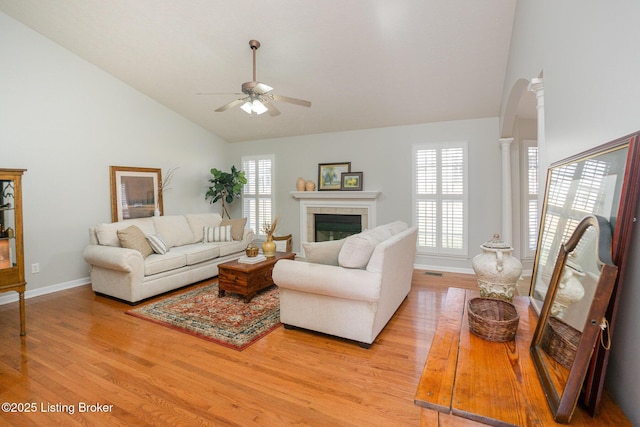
column 362, row 63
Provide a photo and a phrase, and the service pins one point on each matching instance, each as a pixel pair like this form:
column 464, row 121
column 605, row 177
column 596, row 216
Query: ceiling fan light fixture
column 258, row 94
column 258, row 107
column 246, row 107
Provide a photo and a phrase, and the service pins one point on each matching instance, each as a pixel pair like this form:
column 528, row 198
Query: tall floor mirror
column 603, row 181
column 572, row 316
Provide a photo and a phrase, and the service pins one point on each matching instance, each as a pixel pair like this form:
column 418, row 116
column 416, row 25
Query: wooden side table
column 248, row 279
column 468, row 381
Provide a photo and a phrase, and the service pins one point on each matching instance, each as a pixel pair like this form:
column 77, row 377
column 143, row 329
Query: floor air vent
column 433, row 273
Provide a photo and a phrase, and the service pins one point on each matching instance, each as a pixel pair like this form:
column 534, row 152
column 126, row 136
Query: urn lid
column 496, row 243
column 572, row 264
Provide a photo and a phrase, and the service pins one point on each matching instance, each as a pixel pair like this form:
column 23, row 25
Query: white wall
column 591, row 92
column 384, row 155
column 66, row 121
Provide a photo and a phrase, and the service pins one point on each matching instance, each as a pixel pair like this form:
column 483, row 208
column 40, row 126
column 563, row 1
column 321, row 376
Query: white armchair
column 355, row 298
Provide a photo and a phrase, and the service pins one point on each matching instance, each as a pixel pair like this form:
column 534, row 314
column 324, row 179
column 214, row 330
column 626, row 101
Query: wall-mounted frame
column 329, row 175
column 351, row 181
column 603, row 181
column 565, row 338
column 135, row 192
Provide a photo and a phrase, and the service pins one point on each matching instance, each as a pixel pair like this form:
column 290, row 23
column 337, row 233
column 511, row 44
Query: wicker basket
column 251, row 251
column 493, row 319
column 560, row 341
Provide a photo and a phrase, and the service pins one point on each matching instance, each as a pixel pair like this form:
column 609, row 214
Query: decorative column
column 536, row 86
column 507, row 207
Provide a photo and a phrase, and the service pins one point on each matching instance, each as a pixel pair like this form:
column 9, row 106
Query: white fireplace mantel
column 361, row 203
column 335, row 194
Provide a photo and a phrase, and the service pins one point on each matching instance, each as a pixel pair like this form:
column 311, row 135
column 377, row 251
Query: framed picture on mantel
column 352, row 181
column 329, row 175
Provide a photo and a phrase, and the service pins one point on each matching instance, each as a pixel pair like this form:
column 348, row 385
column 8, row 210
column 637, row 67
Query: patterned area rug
column 227, row 321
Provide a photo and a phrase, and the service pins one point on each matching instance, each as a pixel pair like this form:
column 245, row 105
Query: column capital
column 536, row 86
column 505, row 142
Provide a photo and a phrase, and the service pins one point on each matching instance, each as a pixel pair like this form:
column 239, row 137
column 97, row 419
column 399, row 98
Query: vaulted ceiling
column 362, row 63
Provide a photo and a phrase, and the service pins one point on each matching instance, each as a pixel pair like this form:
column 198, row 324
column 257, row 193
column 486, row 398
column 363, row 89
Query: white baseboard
column 30, row 293
column 443, row 269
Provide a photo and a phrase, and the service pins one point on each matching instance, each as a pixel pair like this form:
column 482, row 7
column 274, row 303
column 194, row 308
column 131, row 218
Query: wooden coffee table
column 248, row 279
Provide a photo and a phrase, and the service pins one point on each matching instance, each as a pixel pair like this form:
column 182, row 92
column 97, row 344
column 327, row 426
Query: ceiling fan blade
column 262, row 88
column 230, row 105
column 273, row 111
column 219, row 93
column 296, row 101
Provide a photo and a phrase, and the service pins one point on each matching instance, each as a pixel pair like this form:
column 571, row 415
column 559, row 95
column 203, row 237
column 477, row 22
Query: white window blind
column 257, row 193
column 574, row 191
column 529, row 205
column 440, row 197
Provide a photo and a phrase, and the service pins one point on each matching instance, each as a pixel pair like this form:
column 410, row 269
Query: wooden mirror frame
column 621, row 219
column 563, row 402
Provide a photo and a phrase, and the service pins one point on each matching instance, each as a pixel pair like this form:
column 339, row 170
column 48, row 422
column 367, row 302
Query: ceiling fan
column 259, row 95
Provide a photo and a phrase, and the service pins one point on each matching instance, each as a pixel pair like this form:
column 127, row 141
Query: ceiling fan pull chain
column 604, row 329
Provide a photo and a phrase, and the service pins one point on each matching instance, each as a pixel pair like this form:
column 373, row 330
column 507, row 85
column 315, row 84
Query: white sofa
column 348, row 288
column 194, row 243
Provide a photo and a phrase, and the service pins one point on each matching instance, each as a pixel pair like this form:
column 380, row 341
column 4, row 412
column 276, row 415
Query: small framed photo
column 351, row 181
column 329, row 175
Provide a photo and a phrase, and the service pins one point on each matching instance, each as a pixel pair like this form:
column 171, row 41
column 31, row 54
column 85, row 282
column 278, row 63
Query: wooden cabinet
column 468, row 381
column 11, row 243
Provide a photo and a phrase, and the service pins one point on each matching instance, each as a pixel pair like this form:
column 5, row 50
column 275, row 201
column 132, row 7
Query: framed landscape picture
column 329, row 175
column 134, row 192
column 351, row 181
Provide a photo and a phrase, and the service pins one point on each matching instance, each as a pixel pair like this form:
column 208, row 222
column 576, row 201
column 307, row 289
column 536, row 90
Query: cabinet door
column 11, row 246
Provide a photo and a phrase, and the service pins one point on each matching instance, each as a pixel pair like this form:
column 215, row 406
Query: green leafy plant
column 225, row 187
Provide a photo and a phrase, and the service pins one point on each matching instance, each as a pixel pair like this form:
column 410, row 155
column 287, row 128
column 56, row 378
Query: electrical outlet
column 35, row 268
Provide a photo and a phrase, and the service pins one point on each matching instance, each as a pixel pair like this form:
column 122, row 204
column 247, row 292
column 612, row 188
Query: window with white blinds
column 574, row 191
column 529, row 205
column 257, row 193
column 440, row 197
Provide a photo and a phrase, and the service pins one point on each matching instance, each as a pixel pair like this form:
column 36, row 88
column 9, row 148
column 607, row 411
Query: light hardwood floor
column 83, row 349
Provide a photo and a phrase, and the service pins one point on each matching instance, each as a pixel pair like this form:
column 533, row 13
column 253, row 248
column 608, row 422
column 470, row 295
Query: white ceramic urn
column 570, row 289
column 497, row 271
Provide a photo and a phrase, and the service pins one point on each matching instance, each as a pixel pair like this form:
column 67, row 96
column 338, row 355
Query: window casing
column 257, row 193
column 440, row 193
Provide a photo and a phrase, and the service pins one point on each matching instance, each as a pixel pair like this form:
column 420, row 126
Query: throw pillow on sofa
column 237, row 227
column 322, row 252
column 158, row 244
column 217, row 234
column 133, row 237
column 357, row 249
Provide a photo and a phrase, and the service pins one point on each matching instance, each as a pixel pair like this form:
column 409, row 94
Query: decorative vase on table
column 269, row 247
column 497, row 271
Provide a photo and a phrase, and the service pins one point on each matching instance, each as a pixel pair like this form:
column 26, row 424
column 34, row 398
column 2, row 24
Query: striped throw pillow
column 217, row 234
column 158, row 244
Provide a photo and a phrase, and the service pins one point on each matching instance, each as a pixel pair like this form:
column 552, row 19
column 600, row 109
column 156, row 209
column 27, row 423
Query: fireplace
column 360, row 204
column 336, row 226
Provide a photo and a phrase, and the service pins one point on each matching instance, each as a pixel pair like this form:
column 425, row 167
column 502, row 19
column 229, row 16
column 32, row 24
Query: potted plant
column 225, row 187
